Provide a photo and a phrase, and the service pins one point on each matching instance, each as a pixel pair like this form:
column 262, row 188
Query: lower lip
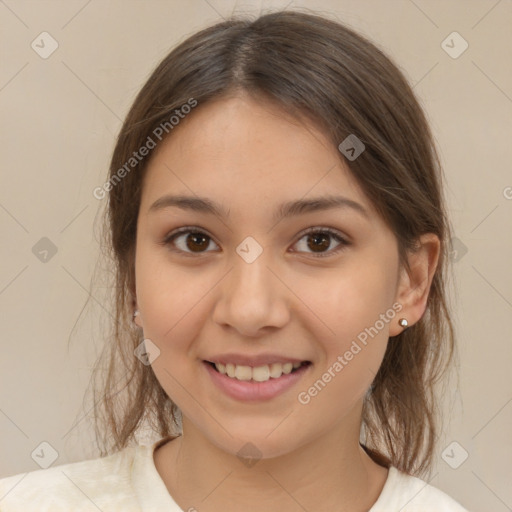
column 250, row 390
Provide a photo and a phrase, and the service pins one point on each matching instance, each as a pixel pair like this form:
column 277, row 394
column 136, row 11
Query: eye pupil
column 197, row 239
column 318, row 237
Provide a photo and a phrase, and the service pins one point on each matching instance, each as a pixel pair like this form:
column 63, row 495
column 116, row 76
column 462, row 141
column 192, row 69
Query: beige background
column 59, row 119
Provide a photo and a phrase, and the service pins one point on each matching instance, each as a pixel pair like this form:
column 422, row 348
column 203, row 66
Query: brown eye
column 189, row 241
column 197, row 241
column 319, row 241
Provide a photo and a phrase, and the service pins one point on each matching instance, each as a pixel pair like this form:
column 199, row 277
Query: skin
column 250, row 157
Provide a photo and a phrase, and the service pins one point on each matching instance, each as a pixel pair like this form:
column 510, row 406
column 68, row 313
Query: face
column 316, row 285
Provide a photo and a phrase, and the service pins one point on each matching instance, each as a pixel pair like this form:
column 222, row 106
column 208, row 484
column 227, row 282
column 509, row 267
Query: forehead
column 239, row 150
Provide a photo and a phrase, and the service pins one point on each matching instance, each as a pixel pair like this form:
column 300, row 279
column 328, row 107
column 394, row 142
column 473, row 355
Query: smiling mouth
column 258, row 374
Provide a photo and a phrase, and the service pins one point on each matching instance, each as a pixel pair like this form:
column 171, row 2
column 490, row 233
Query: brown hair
column 320, row 69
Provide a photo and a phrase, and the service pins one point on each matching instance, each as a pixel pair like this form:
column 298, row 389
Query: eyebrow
column 289, row 209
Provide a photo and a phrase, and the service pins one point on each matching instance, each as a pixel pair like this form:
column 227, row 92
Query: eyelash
column 169, row 239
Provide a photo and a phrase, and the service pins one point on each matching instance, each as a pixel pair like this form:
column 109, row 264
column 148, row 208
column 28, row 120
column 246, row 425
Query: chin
column 256, row 443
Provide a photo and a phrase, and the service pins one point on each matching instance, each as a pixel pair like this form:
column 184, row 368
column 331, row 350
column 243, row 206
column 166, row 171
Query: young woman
column 280, row 241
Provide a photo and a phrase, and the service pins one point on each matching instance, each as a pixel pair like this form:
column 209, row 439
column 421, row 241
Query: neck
column 332, row 472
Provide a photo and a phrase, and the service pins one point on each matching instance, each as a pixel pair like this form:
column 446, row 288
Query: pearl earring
column 403, row 322
column 135, row 313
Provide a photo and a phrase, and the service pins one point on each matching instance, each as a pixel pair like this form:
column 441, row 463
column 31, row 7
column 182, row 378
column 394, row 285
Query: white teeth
column 276, row 370
column 259, row 373
column 243, row 372
column 230, row 370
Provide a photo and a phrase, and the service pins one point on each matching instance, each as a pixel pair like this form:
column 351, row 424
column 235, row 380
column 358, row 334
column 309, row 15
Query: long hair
column 315, row 67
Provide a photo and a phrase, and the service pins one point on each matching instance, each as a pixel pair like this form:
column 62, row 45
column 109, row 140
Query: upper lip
column 254, row 361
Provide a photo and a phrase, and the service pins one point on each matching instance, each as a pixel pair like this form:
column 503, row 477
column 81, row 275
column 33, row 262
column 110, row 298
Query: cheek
column 171, row 308
column 173, row 301
column 177, row 304
column 171, row 298
column 353, row 347
column 354, row 307
column 348, row 301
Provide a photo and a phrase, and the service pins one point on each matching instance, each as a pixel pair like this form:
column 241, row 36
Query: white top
column 128, row 481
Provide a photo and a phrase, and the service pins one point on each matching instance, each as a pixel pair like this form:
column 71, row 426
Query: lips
column 253, row 389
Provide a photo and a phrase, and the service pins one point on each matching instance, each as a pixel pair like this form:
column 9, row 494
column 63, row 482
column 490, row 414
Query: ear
column 135, row 306
column 138, row 321
column 133, row 289
column 414, row 285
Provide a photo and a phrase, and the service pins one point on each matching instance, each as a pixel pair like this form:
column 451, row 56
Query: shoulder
column 77, row 486
column 411, row 494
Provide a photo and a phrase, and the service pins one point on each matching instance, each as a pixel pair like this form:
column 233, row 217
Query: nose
column 252, row 299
